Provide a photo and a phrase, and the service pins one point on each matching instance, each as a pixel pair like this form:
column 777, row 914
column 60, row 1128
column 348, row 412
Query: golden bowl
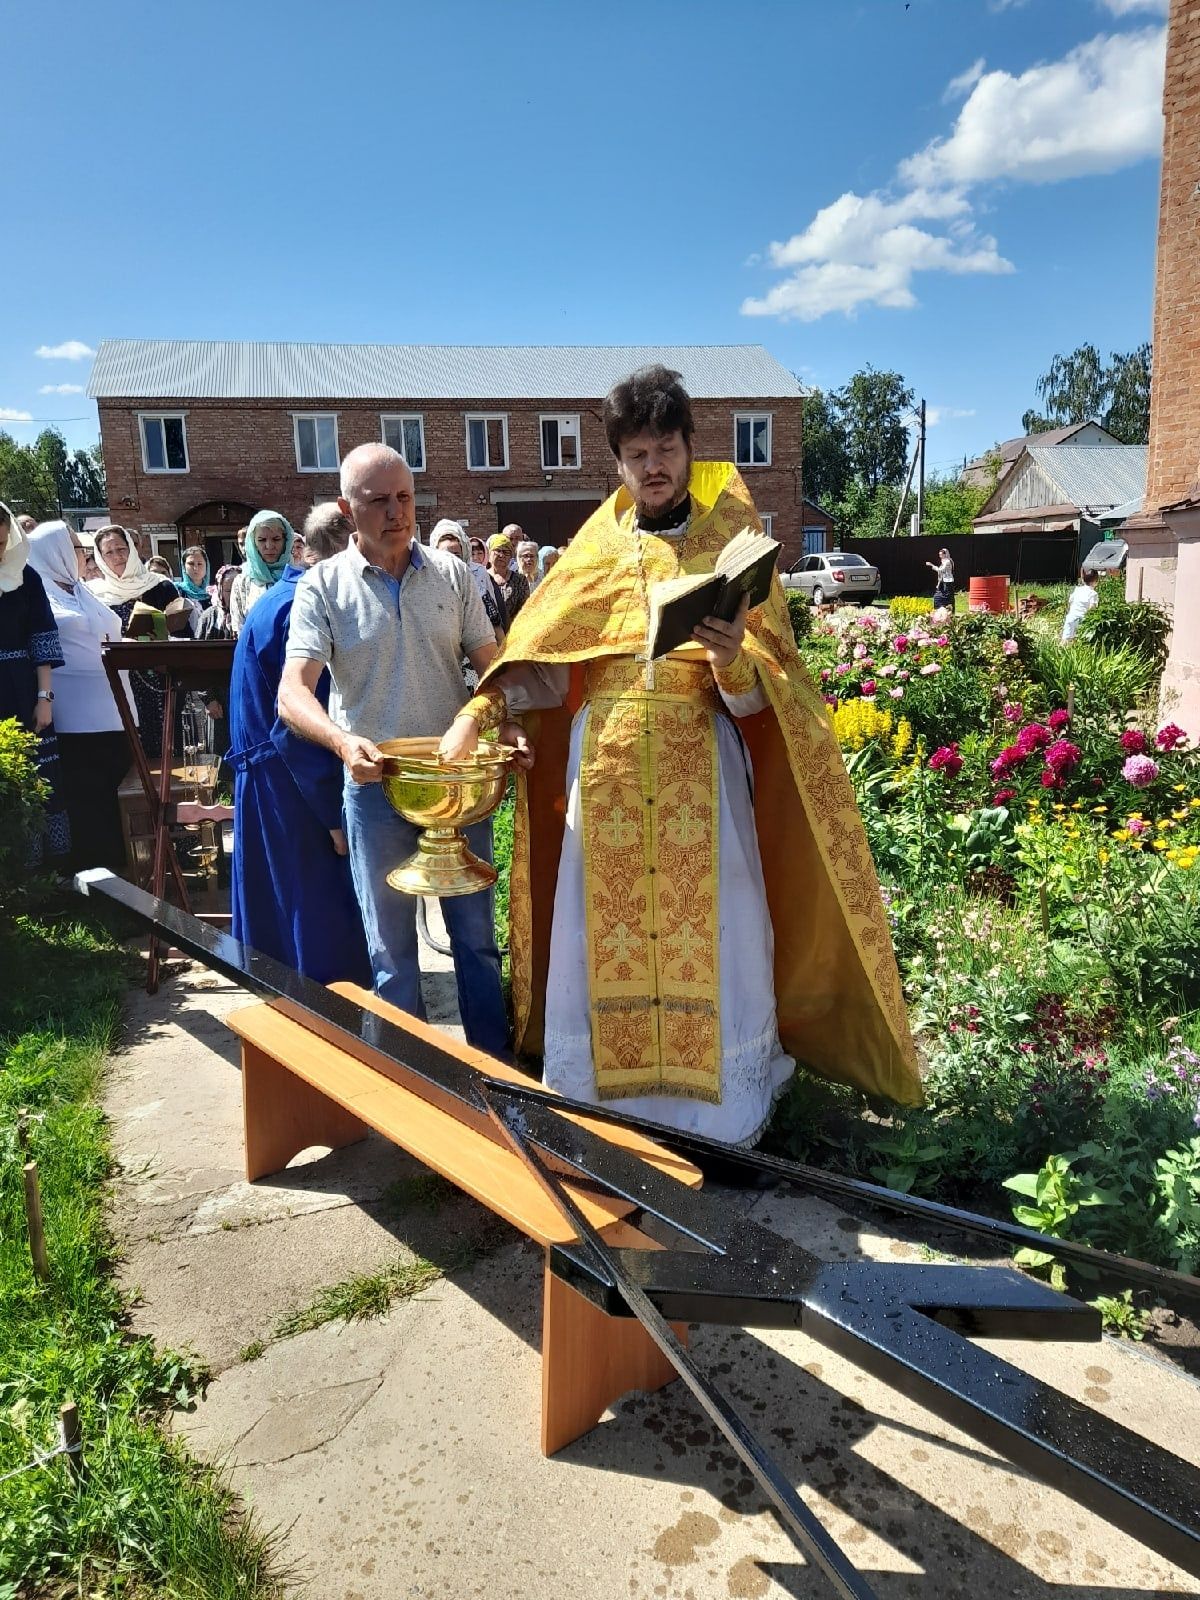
column 441, row 798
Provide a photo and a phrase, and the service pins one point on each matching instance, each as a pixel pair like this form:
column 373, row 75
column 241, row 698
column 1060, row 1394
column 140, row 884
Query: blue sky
column 955, row 189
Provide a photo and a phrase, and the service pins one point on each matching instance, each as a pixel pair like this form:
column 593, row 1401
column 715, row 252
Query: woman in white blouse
column 93, row 749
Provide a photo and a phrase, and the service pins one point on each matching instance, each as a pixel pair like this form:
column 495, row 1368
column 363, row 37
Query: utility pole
column 921, row 474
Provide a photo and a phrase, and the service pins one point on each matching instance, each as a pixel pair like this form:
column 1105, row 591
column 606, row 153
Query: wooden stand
column 183, row 663
column 299, row 1090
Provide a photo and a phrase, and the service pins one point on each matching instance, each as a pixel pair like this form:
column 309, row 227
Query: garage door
column 546, row 521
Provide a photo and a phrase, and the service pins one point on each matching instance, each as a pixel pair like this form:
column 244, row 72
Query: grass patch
column 423, row 1191
column 368, row 1294
column 148, row 1517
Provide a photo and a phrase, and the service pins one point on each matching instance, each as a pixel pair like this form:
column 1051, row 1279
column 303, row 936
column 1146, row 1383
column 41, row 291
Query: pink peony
column 1062, row 757
column 947, row 760
column 842, row 668
column 860, row 651
column 1050, row 780
column 1014, row 711
column 1140, row 771
column 825, row 674
column 1033, row 736
column 1001, row 795
column 887, row 671
column 930, row 669
column 942, row 640
column 896, row 694
column 1133, row 742
column 902, row 676
column 1171, row 737
column 900, row 642
column 1010, row 757
column 1059, row 720
column 1010, row 647
column 1136, row 826
column 868, row 687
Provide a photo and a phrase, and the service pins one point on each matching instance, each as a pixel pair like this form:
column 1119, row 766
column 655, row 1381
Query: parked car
column 834, row 577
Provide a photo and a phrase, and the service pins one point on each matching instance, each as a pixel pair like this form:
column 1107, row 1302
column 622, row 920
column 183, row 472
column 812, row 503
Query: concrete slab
column 400, row 1455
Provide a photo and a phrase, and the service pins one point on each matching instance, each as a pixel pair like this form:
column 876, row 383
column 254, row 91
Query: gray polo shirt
column 393, row 647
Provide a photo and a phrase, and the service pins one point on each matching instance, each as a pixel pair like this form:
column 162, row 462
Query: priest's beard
column 661, row 509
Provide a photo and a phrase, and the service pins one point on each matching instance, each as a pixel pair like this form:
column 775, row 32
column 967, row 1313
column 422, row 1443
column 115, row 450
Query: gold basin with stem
column 441, row 798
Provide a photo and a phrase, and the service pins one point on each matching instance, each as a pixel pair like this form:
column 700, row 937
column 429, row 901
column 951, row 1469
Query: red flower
column 1059, row 720
column 1133, row 742
column 1171, row 737
column 1033, row 737
column 1001, row 795
column 1050, row 780
column 946, row 759
column 1062, row 757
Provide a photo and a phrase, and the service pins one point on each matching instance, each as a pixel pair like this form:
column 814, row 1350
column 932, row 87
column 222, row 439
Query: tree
column 26, row 482
column 872, row 408
column 825, row 457
column 951, row 506
column 85, row 479
column 864, row 513
column 1081, row 388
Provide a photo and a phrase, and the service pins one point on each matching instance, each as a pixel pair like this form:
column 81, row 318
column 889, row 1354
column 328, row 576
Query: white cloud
column 965, row 82
column 69, row 350
column 865, row 249
column 936, row 414
column 61, row 388
column 1126, row 8
column 1096, row 110
column 8, row 414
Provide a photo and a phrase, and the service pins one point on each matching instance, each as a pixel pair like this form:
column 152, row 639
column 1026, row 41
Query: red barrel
column 988, row 594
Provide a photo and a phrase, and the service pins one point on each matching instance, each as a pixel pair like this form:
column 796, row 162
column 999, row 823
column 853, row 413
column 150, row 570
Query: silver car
column 834, row 578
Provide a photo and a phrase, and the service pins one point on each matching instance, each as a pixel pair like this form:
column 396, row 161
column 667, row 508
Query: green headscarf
column 258, row 569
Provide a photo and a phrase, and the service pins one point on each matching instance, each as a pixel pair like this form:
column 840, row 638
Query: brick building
column 198, row 436
column 1164, row 538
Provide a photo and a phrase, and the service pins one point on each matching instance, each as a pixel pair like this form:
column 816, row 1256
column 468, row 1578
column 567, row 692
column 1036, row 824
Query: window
column 164, row 444
column 487, row 442
column 752, row 438
column 560, row 443
column 407, row 435
column 316, row 443
column 767, row 519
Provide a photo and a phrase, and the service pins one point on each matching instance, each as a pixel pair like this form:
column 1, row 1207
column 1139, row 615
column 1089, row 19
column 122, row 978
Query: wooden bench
column 299, row 1090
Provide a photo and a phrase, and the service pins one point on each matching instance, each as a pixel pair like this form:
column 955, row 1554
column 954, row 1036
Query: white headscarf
column 16, row 554
column 52, row 557
column 447, row 528
column 132, row 583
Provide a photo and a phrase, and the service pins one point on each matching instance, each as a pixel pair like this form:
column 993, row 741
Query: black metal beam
column 902, row 1324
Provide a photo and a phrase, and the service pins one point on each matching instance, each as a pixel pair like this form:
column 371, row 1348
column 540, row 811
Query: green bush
column 22, row 794
column 1107, row 681
column 1115, row 624
column 801, row 614
column 903, row 607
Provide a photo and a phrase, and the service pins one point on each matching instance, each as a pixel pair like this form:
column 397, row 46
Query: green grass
column 147, row 1518
column 368, row 1294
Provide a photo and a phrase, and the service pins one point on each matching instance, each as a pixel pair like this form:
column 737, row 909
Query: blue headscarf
column 260, row 570
column 190, row 590
column 546, row 550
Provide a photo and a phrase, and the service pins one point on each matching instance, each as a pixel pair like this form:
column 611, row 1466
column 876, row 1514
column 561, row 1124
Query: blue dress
column 29, row 640
column 292, row 895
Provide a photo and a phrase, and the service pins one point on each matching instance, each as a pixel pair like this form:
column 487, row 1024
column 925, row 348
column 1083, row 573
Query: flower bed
column 1037, row 834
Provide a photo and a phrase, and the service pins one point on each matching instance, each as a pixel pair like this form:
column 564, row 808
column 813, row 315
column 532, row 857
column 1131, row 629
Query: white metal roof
column 185, row 369
column 1094, row 477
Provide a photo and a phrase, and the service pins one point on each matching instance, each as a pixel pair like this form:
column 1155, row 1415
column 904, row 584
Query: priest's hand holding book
column 722, row 640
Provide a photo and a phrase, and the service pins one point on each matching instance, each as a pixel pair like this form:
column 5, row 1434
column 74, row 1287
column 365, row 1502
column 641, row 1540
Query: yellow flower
column 901, row 739
column 1099, row 811
column 857, row 721
column 1122, row 835
column 1158, row 844
column 1194, row 803
column 1178, row 788
column 1103, row 856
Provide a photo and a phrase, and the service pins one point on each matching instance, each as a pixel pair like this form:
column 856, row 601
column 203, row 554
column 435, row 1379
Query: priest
column 694, row 907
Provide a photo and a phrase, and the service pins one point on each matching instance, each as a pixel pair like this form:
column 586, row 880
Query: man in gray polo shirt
column 392, row 620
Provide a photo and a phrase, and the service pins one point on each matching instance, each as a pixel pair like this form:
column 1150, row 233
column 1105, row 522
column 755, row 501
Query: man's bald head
column 366, row 459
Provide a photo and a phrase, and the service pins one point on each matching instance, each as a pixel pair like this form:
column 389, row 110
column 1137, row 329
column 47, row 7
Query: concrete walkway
column 399, row 1456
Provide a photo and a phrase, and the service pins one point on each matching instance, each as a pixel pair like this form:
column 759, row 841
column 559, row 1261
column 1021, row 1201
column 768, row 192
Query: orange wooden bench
column 299, row 1090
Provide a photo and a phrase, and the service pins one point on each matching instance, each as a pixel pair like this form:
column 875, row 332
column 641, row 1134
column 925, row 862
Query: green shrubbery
column 1037, row 835
column 21, row 798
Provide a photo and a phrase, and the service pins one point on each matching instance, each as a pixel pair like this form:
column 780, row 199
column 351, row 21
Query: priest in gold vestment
column 693, row 904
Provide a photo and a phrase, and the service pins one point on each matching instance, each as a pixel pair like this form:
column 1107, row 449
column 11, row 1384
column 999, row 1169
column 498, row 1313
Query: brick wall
column 1174, row 464
column 243, row 451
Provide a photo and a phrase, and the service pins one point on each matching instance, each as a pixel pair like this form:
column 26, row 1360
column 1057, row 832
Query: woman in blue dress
column 29, row 650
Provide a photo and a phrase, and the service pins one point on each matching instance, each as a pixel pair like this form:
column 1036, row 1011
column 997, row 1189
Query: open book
column 744, row 566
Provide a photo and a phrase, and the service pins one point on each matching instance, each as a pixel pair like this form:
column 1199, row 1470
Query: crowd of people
column 654, row 967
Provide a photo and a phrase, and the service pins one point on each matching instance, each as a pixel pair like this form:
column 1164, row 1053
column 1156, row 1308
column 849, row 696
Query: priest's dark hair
column 652, row 397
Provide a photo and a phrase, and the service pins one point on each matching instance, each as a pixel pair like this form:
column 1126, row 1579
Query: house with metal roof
column 989, row 470
column 1066, row 487
column 199, row 434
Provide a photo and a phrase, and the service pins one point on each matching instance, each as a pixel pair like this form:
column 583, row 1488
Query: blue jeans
column 380, row 840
